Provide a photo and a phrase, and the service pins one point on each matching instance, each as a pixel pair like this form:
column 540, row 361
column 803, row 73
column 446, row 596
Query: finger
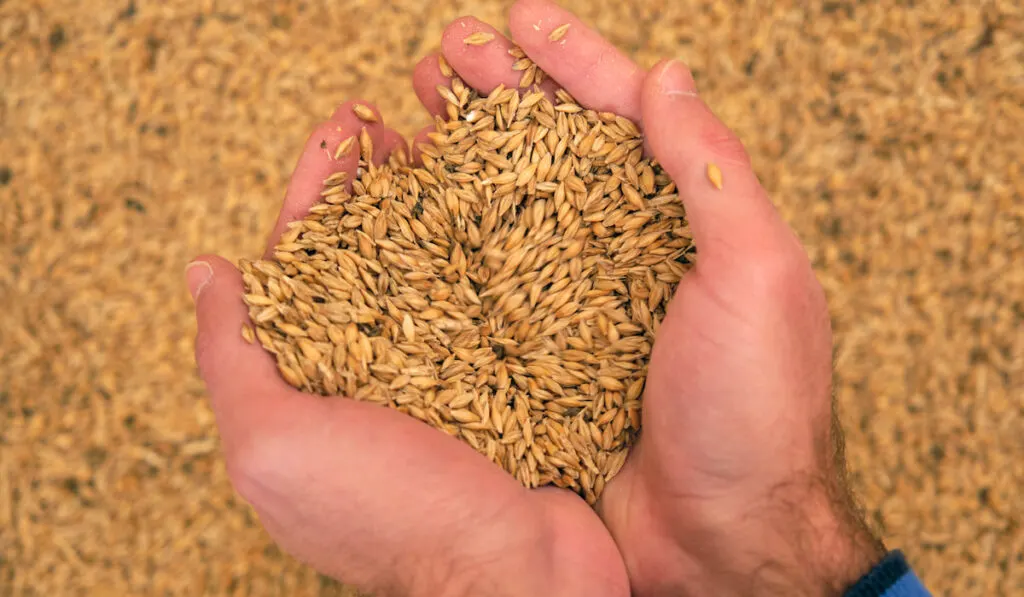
column 729, row 222
column 419, row 140
column 386, row 143
column 242, row 380
column 426, row 77
column 589, row 67
column 316, row 163
column 485, row 66
column 368, row 485
column 384, row 140
column 321, row 158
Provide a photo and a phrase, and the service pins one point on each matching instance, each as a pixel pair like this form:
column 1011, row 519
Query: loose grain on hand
column 532, row 74
column 444, row 67
column 507, row 292
column 714, row 174
column 364, row 113
column 559, row 32
column 343, row 149
column 478, row 39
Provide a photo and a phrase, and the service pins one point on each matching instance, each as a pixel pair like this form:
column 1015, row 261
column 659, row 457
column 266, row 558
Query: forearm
column 797, row 540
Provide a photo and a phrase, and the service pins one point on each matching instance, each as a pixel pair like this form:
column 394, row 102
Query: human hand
column 737, row 484
column 366, row 494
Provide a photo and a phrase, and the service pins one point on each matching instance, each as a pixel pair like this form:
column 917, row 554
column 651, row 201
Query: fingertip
column 519, row 19
column 218, row 304
column 426, row 76
column 589, row 67
column 357, row 109
column 321, row 149
column 227, row 362
column 386, row 143
column 214, row 262
column 419, row 141
column 454, row 35
column 671, row 76
column 197, row 275
column 217, row 278
column 428, row 66
column 351, row 118
column 652, row 105
column 320, row 159
column 202, row 270
column 482, row 66
column 692, row 136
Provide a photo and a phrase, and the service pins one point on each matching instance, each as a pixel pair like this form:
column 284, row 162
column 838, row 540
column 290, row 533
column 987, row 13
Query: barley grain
column 478, row 39
column 715, row 175
column 343, row 149
column 559, row 32
column 445, row 68
column 507, row 292
column 364, row 113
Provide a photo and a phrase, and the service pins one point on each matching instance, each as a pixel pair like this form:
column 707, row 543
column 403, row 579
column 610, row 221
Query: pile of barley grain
column 507, row 292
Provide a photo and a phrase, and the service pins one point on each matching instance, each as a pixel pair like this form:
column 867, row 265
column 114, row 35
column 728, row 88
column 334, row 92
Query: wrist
column 794, row 541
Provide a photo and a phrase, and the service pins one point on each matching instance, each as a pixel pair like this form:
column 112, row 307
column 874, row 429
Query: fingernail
column 676, row 79
column 198, row 275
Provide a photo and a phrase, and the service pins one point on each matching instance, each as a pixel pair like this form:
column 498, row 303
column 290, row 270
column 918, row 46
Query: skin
column 736, row 486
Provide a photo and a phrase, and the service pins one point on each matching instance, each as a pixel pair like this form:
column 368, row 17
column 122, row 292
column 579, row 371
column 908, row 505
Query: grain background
column 135, row 135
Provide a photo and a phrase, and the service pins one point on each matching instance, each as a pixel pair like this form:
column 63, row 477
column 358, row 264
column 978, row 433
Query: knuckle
column 780, row 276
column 251, row 469
column 722, row 142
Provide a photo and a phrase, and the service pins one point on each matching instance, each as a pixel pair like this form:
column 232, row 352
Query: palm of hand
column 354, row 490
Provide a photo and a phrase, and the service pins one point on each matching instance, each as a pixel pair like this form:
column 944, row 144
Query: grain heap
column 507, row 292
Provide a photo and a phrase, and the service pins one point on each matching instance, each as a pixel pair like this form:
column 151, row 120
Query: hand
column 737, row 485
column 366, row 494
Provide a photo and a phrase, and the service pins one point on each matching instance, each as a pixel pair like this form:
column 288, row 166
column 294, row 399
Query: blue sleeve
column 892, row 577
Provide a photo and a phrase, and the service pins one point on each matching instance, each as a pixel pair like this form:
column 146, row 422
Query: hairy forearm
column 806, row 553
column 795, row 544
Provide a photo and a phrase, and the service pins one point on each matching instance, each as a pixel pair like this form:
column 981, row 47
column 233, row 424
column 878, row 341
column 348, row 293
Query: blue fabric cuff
column 892, row 577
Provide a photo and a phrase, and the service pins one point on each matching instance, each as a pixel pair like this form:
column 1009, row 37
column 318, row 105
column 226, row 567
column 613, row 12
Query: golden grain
column 559, row 32
column 364, row 113
column 506, row 292
column 445, row 68
column 343, row 149
column 478, row 39
column 715, row 175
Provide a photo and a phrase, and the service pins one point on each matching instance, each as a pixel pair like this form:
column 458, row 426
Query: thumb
column 729, row 224
column 242, row 381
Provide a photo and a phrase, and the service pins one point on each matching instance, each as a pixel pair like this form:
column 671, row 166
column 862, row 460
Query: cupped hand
column 737, row 483
column 734, row 484
column 366, row 494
